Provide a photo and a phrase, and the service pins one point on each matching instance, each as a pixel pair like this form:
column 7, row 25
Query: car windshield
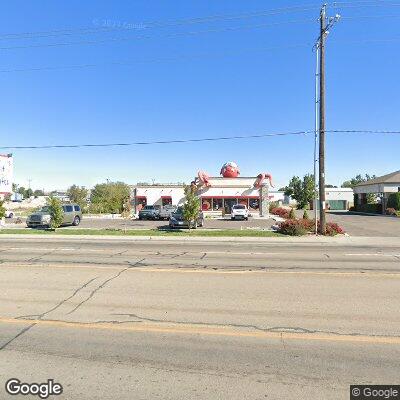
column 149, row 208
column 239, row 207
column 179, row 210
column 44, row 209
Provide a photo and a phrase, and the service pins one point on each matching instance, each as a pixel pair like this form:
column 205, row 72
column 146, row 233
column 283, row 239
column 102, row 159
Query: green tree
column 2, row 210
column 38, row 193
column 301, row 190
column 110, row 197
column 21, row 190
column 394, row 201
column 28, row 193
column 78, row 194
column 305, row 215
column 191, row 208
column 56, row 212
column 371, row 197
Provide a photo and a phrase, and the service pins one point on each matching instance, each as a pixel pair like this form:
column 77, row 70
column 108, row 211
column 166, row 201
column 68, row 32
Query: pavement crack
column 40, row 316
column 102, row 285
column 20, row 333
column 202, row 257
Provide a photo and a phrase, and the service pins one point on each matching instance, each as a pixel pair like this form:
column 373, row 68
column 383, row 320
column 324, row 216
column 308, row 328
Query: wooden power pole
column 322, row 217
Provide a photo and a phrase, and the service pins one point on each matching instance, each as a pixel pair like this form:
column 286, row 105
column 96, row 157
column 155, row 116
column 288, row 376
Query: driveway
column 362, row 225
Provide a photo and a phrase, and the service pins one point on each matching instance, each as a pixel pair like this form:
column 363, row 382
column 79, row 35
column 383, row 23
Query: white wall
column 339, row 194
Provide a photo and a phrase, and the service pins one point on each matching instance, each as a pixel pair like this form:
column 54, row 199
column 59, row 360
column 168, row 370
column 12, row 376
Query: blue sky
column 192, row 80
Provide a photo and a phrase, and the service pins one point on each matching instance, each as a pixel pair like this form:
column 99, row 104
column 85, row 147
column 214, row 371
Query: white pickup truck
column 239, row 211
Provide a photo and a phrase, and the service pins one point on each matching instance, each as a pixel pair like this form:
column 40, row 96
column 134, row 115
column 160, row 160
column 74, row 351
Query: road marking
column 372, row 255
column 201, row 270
column 210, row 331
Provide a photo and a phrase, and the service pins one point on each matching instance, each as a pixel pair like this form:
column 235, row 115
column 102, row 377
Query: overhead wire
column 176, row 141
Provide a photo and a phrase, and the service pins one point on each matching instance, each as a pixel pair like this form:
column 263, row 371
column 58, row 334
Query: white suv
column 240, row 211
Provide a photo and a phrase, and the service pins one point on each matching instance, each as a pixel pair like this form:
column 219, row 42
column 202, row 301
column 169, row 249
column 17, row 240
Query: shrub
column 305, row 215
column 370, row 208
column 292, row 215
column 292, row 227
column 281, row 212
column 272, row 205
column 391, row 211
column 394, row 201
column 333, row 229
column 56, row 212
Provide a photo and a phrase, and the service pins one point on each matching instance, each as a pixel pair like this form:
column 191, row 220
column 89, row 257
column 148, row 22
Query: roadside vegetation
column 293, row 226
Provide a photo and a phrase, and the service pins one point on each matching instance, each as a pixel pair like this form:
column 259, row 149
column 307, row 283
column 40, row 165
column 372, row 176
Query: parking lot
column 354, row 224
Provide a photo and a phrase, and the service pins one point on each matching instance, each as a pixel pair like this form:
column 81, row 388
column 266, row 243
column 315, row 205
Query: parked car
column 9, row 214
column 166, row 211
column 239, row 211
column 177, row 220
column 150, row 212
column 72, row 215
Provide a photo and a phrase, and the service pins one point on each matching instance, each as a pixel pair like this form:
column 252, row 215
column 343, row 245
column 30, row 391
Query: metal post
column 316, row 138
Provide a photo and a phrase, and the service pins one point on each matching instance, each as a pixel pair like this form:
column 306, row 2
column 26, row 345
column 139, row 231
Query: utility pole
column 324, row 30
column 316, row 138
column 322, row 217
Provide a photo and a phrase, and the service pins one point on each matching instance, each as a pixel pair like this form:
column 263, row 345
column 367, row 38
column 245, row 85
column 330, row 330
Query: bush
column 272, row 205
column 56, row 212
column 305, row 215
column 281, row 212
column 394, row 201
column 369, row 208
column 292, row 215
column 292, row 227
column 333, row 229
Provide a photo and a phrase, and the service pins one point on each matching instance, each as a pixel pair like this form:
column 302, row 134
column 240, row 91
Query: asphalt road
column 129, row 319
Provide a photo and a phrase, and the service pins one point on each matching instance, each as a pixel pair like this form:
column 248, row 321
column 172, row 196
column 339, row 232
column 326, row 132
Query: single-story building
column 217, row 194
column 382, row 186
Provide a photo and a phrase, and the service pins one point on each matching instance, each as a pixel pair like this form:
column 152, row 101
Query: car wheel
column 77, row 221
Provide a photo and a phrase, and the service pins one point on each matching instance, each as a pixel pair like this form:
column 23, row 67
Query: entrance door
column 228, row 204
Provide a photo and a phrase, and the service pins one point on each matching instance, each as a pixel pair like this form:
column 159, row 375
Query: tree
column 56, row 212
column 191, row 208
column 2, row 210
column 301, row 190
column 110, row 197
column 394, row 201
column 78, row 194
column 28, row 193
column 371, row 197
column 356, row 180
column 38, row 193
column 21, row 190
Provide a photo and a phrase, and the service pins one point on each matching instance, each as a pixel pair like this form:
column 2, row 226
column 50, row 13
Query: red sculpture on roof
column 230, row 170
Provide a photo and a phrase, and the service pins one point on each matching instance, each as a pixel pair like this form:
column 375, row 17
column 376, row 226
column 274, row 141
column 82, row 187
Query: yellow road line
column 208, row 330
column 200, row 270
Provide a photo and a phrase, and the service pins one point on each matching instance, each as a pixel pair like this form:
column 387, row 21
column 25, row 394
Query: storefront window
column 166, row 201
column 229, row 203
column 217, row 204
column 141, row 202
column 243, row 201
column 254, row 204
column 206, row 204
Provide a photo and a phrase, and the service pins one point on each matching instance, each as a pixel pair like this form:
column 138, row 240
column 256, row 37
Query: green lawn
column 144, row 232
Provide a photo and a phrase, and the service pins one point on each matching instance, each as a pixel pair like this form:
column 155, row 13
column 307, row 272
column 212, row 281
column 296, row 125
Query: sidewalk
column 304, row 240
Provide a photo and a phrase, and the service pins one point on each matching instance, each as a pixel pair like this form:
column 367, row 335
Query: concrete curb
column 309, row 240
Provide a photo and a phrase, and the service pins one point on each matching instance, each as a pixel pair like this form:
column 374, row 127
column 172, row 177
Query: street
column 173, row 319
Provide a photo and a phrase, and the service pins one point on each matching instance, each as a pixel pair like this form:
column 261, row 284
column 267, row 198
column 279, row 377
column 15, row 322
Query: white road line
column 372, row 255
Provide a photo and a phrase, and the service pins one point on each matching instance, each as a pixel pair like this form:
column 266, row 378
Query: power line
column 154, row 60
column 152, row 24
column 176, row 141
column 171, row 35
